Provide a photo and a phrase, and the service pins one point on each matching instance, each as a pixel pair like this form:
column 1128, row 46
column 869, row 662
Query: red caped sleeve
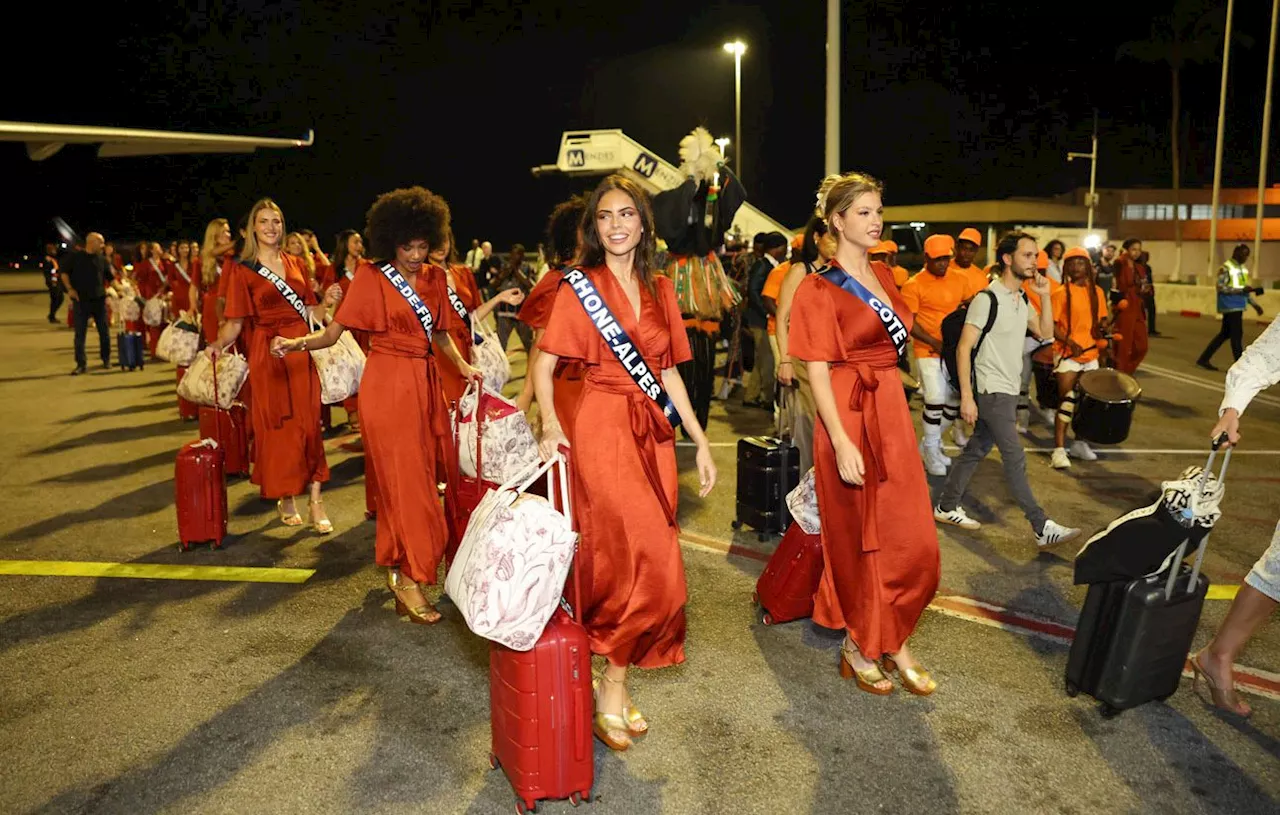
column 235, row 288
column 678, row 350
column 363, row 307
column 535, row 311
column 570, row 332
column 814, row 333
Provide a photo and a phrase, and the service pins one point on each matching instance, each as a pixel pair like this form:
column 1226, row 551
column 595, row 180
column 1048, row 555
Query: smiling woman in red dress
column 406, row 424
column 289, row 455
column 623, row 458
column 880, row 545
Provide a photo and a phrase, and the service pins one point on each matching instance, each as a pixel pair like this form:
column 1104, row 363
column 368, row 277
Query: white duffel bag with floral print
column 198, row 386
column 153, row 313
column 803, row 504
column 339, row 367
column 509, row 446
column 490, row 357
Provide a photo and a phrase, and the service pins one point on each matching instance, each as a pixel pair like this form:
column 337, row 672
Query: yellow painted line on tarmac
column 153, row 571
column 1218, row 591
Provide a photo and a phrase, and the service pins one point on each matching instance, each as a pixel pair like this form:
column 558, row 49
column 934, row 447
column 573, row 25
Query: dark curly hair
column 563, row 229
column 401, row 216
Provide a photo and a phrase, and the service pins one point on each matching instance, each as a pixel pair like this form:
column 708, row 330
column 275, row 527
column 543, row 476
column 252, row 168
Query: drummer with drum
column 1080, row 325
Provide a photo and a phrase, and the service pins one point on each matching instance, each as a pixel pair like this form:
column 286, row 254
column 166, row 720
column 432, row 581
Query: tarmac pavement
column 125, row 695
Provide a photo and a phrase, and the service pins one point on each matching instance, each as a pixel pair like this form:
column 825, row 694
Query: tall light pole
column 1266, row 139
column 1093, row 171
column 737, row 48
column 833, row 87
column 1217, row 160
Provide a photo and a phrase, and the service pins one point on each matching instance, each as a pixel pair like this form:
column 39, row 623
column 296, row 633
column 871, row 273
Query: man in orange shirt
column 931, row 295
column 887, row 253
column 966, row 250
column 772, row 291
column 1079, row 321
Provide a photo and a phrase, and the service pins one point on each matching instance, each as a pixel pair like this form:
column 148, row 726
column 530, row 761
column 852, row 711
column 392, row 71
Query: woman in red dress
column 289, row 455
column 181, row 279
column 880, row 545
column 336, row 280
column 1133, row 282
column 406, row 423
column 217, row 251
column 564, row 236
column 623, row 459
column 462, row 282
column 151, row 276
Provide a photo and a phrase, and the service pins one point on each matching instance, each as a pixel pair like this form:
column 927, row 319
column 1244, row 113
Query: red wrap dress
column 289, row 452
column 535, row 312
column 403, row 418
column 352, row 404
column 181, row 288
column 469, row 293
column 624, row 476
column 880, row 545
column 150, row 279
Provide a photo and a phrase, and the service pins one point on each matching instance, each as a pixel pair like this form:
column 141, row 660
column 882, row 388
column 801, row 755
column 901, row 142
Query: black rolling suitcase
column 768, row 468
column 1133, row 636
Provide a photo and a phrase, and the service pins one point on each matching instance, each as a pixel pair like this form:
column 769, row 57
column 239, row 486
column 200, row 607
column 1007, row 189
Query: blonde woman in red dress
column 880, row 545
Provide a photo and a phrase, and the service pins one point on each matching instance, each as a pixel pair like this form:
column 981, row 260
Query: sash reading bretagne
column 620, row 344
column 893, row 325
column 286, row 291
column 411, row 297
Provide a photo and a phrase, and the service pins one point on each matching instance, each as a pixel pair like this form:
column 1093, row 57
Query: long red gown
column 469, row 293
column 535, row 312
column 1131, row 321
column 181, row 287
column 150, row 278
column 352, row 404
column 289, row 450
column 403, row 418
column 624, row 477
column 880, row 545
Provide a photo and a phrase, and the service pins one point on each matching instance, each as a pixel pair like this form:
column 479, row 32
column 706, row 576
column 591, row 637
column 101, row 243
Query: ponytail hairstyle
column 340, row 252
column 837, row 193
column 593, row 253
column 250, row 251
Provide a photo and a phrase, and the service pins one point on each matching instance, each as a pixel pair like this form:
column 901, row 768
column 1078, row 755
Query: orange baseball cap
column 972, row 236
column 1076, row 252
column 1042, row 260
column 888, row 246
column 797, row 242
column 936, row 246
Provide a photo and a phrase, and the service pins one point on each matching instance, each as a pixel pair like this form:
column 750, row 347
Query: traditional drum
column 1104, row 406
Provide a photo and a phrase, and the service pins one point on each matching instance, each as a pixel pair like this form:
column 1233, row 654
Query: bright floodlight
column 1092, row 240
column 737, row 47
column 722, row 143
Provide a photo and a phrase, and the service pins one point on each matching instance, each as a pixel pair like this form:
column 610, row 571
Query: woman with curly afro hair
column 402, row 410
column 286, row 393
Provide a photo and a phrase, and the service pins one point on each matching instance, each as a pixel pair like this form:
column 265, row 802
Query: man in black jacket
column 85, row 273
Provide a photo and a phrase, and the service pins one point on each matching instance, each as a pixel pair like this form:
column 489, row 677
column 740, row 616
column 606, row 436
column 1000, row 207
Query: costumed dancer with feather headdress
column 692, row 219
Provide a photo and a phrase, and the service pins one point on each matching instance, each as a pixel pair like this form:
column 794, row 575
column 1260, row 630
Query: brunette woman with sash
column 151, row 275
column 347, row 257
column 564, row 236
column 464, row 301
column 880, row 546
column 620, row 319
column 406, row 424
column 268, row 290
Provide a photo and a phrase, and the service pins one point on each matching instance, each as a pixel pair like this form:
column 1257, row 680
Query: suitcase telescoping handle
column 559, row 489
column 1204, row 542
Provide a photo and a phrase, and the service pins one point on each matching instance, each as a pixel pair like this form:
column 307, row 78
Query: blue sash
column 411, row 297
column 286, row 291
column 893, row 325
column 620, row 344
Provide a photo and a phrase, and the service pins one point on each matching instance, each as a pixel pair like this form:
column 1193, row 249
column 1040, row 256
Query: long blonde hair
column 208, row 262
column 251, row 237
column 307, row 260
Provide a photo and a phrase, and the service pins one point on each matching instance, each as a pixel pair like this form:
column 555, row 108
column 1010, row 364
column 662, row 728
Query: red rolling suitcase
column 540, row 708
column 231, row 430
column 187, row 411
column 785, row 590
column 201, row 494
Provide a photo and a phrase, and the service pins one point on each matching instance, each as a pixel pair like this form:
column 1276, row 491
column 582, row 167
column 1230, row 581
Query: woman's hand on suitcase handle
column 1226, row 433
column 786, row 372
column 849, row 461
column 553, row 439
column 706, row 469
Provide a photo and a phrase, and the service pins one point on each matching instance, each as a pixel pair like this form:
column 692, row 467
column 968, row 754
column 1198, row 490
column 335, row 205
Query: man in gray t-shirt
column 997, row 369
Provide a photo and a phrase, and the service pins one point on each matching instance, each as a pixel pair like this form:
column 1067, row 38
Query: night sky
column 981, row 102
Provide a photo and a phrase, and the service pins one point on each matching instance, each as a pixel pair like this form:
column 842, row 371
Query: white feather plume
column 699, row 155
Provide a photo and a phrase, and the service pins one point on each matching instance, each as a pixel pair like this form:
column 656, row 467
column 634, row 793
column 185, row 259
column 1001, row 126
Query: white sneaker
column 1059, row 460
column 1082, row 451
column 1055, row 533
column 955, row 517
column 933, row 460
column 958, row 435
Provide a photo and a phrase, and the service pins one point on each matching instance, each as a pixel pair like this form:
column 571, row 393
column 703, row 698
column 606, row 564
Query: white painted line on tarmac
column 1205, row 384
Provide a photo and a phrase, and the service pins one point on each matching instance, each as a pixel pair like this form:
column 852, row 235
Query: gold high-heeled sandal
column 868, row 678
column 604, row 725
column 288, row 520
column 637, row 725
column 323, row 526
column 425, row 614
column 1221, row 697
column 914, row 679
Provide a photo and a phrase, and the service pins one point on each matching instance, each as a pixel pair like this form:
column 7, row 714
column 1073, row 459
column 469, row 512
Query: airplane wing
column 44, row 140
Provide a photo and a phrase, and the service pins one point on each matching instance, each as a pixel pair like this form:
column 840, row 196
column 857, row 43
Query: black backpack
column 953, row 325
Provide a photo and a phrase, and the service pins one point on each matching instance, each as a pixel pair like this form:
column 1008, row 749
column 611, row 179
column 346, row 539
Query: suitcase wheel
column 736, row 524
column 1109, row 712
column 493, row 762
column 183, row 546
column 1072, row 689
column 574, row 799
column 522, row 807
column 216, row 544
column 767, row 618
column 369, row 516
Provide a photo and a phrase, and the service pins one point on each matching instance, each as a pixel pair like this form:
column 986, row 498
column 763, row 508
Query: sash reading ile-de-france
column 893, row 325
column 411, row 297
column 620, row 344
column 286, row 291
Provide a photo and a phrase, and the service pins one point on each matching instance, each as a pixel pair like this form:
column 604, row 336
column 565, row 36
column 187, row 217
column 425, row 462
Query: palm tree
column 1191, row 33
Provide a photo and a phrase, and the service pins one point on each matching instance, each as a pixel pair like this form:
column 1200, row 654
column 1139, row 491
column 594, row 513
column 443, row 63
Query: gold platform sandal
column 606, row 725
column 868, row 679
column 425, row 614
column 914, row 680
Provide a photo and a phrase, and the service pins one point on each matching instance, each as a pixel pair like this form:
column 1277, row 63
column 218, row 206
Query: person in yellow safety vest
column 1234, row 294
